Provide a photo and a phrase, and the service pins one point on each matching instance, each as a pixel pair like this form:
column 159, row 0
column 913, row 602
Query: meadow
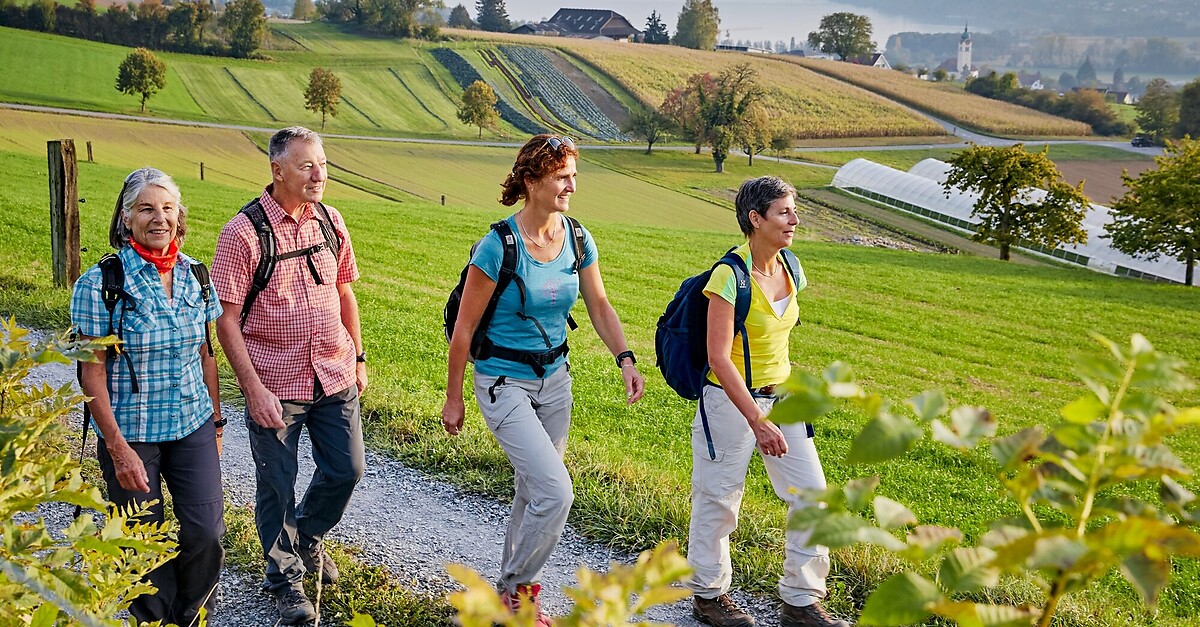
column 946, row 101
column 988, row 333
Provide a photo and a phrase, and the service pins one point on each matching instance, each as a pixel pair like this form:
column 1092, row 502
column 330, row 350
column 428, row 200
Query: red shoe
column 526, row 592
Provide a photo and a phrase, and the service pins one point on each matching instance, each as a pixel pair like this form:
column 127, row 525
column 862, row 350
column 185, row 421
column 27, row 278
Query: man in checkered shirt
column 300, row 362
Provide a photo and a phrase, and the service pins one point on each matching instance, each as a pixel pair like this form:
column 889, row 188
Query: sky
column 754, row 20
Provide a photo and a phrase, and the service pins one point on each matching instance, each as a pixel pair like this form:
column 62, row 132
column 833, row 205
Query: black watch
column 621, row 356
column 221, row 423
column 361, row 357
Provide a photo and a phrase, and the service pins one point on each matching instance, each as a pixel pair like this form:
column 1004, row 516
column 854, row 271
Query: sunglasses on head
column 556, row 142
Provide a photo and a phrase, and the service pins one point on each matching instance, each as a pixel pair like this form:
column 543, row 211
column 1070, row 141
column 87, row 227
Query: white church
column 960, row 68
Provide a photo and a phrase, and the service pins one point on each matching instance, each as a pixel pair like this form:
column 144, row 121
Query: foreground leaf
column 967, row 569
column 885, row 437
column 903, row 599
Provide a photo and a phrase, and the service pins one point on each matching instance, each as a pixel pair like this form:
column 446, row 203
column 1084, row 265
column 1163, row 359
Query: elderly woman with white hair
column 155, row 402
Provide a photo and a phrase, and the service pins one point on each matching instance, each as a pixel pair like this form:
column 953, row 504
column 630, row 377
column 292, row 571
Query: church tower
column 964, row 55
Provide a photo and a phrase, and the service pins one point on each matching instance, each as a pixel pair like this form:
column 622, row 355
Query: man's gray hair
column 757, row 195
column 284, row 137
column 137, row 181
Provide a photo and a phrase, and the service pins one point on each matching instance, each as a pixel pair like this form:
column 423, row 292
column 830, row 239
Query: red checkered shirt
column 294, row 330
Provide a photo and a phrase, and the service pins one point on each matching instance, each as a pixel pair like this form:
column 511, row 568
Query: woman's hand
column 452, row 415
column 770, row 439
column 635, row 385
column 131, row 473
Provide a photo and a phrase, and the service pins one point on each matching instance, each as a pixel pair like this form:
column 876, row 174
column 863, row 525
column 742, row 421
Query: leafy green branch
column 1112, row 437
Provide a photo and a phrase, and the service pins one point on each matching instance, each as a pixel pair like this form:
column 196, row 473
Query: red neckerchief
column 164, row 263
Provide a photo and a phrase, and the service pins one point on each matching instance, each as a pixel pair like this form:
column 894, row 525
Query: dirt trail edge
column 410, row 522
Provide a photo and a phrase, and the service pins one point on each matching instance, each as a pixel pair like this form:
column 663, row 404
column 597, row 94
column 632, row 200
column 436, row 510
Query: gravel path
column 406, row 520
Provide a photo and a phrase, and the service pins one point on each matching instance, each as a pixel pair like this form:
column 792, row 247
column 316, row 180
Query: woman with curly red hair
column 522, row 378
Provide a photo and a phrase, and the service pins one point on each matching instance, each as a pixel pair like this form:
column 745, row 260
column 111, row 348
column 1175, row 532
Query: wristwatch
column 622, row 355
column 361, row 357
column 221, row 423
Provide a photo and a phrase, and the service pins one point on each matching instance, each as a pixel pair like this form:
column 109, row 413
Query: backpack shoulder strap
column 329, row 231
column 508, row 271
column 112, row 291
column 200, row 271
column 266, row 254
column 799, row 281
column 578, row 243
column 741, row 305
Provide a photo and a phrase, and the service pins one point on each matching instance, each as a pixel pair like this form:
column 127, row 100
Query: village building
column 961, row 68
column 875, row 59
column 584, row 24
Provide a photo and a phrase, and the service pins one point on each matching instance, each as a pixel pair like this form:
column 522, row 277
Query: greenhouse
column 919, row 191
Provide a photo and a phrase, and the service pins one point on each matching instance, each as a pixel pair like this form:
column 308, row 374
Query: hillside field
column 988, row 333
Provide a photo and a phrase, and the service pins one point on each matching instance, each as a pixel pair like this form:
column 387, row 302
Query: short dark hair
column 283, row 138
column 757, row 195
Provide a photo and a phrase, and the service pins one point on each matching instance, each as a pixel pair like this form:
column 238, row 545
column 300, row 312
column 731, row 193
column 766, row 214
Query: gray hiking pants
column 530, row 419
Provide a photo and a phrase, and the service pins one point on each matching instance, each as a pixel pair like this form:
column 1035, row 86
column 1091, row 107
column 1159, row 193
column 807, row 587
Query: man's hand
column 361, row 374
column 264, row 407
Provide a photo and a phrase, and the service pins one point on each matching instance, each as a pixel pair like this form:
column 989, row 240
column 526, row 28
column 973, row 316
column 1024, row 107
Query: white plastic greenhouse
column 920, row 191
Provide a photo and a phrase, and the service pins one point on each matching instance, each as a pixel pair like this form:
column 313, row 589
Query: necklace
column 553, row 235
column 776, row 271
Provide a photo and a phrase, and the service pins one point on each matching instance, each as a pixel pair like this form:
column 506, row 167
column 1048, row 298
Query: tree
column 697, row 25
column 754, row 131
column 41, row 15
column 682, row 107
column 460, row 18
column 724, row 109
column 323, row 93
column 491, row 15
column 940, row 75
column 1189, row 110
column 304, row 10
column 1086, row 75
column 152, row 21
column 656, row 31
column 478, row 106
column 1066, row 81
column 187, row 20
column 1009, row 208
column 1160, row 213
column 649, row 125
column 1118, row 80
column 782, row 140
column 844, row 34
column 1158, row 110
column 245, row 22
column 141, row 73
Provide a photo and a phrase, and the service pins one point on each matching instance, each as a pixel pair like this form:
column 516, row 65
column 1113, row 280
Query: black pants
column 191, row 469
column 284, row 528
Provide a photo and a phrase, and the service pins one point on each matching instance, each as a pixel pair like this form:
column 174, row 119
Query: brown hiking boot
column 526, row 593
column 808, row 616
column 720, row 612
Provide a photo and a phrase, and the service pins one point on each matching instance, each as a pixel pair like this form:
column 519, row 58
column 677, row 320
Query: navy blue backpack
column 681, row 340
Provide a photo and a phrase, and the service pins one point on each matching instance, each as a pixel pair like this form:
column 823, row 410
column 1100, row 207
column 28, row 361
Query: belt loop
column 492, row 389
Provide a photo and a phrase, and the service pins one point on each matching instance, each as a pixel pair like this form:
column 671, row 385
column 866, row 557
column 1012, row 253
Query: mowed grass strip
column 945, row 100
column 986, row 332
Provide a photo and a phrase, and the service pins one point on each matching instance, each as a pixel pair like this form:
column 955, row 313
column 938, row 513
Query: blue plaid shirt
column 163, row 338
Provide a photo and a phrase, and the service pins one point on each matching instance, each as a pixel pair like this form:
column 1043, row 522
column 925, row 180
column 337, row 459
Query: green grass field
column 986, row 332
column 905, row 159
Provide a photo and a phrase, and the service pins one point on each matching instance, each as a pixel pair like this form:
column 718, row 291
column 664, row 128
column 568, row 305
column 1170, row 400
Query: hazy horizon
column 753, row 20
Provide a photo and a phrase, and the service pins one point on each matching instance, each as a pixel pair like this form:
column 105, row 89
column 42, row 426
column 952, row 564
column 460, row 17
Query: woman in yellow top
column 738, row 420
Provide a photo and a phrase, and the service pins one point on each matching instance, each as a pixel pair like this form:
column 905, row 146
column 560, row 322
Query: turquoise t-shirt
column 551, row 289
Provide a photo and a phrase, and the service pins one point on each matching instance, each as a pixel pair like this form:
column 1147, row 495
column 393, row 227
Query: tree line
column 191, row 26
column 1083, row 105
column 391, row 18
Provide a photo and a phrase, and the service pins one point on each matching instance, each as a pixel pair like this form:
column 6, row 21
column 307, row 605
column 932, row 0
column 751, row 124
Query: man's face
column 300, row 173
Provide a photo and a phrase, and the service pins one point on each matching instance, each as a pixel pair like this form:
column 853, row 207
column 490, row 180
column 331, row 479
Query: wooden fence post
column 443, row 200
column 64, row 211
column 201, row 170
column 89, row 147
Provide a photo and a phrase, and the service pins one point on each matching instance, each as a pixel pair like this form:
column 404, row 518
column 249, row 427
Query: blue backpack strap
column 741, row 308
column 794, row 268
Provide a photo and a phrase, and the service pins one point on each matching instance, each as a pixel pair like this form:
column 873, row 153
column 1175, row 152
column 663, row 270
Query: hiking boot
column 720, row 612
column 530, row 592
column 315, row 558
column 808, row 616
column 294, row 608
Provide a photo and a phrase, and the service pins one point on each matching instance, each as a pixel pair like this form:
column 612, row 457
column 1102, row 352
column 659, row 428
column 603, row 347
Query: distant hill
column 1112, row 18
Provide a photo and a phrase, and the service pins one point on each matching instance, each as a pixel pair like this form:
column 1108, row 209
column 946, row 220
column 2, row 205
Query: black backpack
column 112, row 292
column 681, row 338
column 268, row 256
column 481, row 346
